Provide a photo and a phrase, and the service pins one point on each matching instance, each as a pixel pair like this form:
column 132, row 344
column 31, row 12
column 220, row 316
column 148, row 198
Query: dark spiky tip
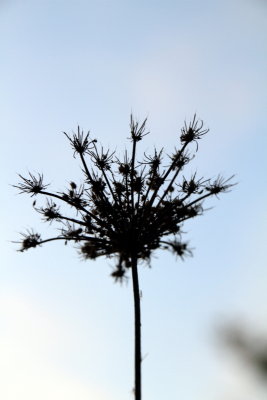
column 180, row 159
column 220, row 185
column 33, row 184
column 137, row 130
column 50, row 212
column 193, row 185
column 30, row 239
column 179, row 248
column 102, row 160
column 90, row 250
column 80, row 143
column 193, row 132
column 70, row 231
column 153, row 161
column 119, row 274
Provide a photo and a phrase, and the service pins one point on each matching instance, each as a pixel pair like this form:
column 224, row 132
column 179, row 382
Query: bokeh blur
column 66, row 330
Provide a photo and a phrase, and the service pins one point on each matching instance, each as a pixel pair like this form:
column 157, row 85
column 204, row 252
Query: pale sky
column 66, row 330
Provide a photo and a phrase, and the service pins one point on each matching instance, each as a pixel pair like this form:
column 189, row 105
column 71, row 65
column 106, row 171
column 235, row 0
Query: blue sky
column 66, row 330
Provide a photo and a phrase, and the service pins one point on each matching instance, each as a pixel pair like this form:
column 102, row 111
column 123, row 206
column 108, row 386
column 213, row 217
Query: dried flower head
column 80, row 143
column 137, row 131
column 130, row 210
column 193, row 132
column 29, row 239
column 33, row 185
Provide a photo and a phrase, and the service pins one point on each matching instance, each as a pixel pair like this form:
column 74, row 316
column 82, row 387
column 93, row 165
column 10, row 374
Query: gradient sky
column 66, row 330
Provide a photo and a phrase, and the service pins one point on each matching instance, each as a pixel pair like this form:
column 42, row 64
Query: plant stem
column 137, row 324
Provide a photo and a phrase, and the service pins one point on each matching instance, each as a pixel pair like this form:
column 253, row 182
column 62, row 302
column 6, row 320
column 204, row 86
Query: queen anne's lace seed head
column 125, row 208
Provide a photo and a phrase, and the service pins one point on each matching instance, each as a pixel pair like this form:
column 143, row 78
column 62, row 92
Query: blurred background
column 66, row 330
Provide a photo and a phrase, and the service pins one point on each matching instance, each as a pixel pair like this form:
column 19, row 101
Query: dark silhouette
column 126, row 208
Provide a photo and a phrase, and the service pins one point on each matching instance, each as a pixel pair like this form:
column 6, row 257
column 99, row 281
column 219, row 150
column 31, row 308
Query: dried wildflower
column 129, row 211
column 119, row 274
column 193, row 132
column 79, row 143
column 50, row 212
column 75, row 197
column 220, row 185
column 153, row 161
column 178, row 248
column 30, row 239
column 71, row 231
column 33, row 185
column 192, row 185
column 179, row 159
column 137, row 131
column 102, row 160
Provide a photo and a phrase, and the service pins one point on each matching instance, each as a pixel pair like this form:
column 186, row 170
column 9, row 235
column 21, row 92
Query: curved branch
column 77, row 238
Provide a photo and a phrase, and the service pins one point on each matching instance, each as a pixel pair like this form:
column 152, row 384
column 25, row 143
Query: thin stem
column 139, row 193
column 109, row 186
column 171, row 167
column 132, row 172
column 199, row 199
column 113, row 182
column 127, row 192
column 149, row 186
column 89, row 176
column 168, row 187
column 77, row 238
column 91, row 181
column 137, row 330
column 105, row 176
column 76, row 221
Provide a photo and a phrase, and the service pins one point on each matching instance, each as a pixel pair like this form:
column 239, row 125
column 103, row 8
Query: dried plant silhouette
column 126, row 208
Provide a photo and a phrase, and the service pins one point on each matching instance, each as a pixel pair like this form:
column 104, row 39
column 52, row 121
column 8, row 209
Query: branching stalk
column 137, row 329
column 116, row 213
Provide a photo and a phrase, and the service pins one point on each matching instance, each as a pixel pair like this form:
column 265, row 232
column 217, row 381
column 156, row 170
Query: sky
column 66, row 330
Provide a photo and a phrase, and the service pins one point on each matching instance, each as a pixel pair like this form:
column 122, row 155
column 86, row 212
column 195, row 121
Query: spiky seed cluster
column 193, row 132
column 32, row 185
column 30, row 239
column 126, row 208
column 80, row 143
